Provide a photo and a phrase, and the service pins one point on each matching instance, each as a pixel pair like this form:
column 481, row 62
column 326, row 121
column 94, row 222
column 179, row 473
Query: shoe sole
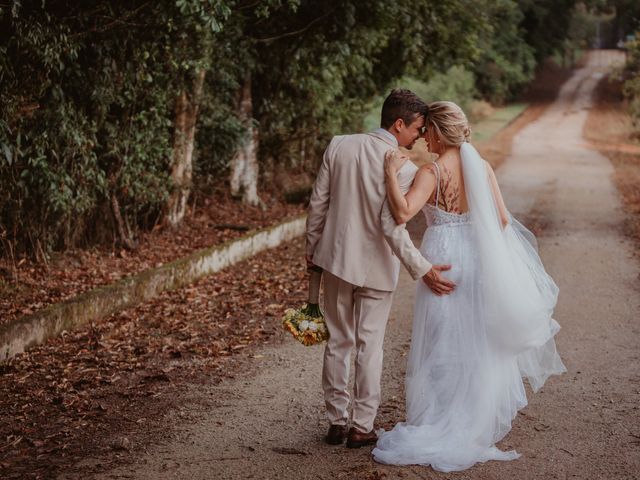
column 361, row 444
column 334, row 442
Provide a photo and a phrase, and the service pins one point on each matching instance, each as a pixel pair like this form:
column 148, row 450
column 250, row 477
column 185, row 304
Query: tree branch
column 122, row 21
column 296, row 32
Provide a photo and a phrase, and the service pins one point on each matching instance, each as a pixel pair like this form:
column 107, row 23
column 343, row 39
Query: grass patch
column 486, row 128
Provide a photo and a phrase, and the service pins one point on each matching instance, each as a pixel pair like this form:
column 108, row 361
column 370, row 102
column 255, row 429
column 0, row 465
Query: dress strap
column 437, row 182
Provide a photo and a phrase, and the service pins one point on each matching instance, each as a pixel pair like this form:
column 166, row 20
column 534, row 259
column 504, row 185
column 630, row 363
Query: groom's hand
column 437, row 283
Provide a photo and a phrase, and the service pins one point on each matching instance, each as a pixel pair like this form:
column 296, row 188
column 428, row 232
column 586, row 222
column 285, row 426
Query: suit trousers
column 355, row 317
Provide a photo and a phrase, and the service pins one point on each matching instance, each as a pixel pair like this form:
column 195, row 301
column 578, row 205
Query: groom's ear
column 398, row 124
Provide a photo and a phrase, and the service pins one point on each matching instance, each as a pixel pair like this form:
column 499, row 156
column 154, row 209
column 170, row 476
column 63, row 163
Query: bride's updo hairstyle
column 449, row 122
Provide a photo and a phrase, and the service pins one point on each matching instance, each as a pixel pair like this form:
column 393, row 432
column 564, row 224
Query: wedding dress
column 471, row 349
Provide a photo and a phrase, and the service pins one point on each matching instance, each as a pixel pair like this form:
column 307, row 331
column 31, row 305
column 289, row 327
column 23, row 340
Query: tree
column 507, row 62
column 244, row 164
column 89, row 91
column 186, row 116
column 545, row 24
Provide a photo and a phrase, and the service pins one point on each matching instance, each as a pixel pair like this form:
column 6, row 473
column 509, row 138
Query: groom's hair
column 404, row 104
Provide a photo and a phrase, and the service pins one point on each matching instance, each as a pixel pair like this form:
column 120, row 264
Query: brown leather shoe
column 336, row 434
column 357, row 439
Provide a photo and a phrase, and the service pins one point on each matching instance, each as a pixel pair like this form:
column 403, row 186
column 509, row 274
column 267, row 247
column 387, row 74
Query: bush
column 631, row 86
column 87, row 120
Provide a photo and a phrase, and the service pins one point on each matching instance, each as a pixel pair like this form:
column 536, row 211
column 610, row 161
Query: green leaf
column 7, row 153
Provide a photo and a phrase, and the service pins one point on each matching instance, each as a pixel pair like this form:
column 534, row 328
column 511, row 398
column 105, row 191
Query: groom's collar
column 385, row 135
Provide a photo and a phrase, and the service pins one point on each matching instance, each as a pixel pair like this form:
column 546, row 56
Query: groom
column 352, row 235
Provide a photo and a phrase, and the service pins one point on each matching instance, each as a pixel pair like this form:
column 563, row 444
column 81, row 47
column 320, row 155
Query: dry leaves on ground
column 66, row 400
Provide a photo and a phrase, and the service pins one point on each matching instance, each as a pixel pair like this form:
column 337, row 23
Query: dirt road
column 268, row 422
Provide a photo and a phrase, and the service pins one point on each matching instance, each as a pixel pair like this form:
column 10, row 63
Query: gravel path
column 268, row 422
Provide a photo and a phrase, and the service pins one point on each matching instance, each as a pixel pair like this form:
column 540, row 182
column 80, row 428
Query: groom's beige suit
column 352, row 235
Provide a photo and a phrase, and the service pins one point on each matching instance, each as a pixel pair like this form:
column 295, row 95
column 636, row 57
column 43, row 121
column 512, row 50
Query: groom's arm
column 397, row 236
column 319, row 203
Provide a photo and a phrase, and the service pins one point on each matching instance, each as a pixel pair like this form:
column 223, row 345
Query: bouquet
column 307, row 323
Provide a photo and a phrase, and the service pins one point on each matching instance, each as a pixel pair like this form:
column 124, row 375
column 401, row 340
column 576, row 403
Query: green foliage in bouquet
column 313, row 310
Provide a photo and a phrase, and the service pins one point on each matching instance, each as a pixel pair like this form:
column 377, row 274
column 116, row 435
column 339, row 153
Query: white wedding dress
column 471, row 349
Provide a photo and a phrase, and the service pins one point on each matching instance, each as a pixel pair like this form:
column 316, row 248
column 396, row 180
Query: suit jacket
column 350, row 229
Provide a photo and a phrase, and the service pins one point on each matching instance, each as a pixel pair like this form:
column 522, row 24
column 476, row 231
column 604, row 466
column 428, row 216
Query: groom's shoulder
column 348, row 140
column 350, row 137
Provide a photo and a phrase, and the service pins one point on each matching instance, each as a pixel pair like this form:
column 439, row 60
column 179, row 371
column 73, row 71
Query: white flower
column 313, row 326
column 303, row 325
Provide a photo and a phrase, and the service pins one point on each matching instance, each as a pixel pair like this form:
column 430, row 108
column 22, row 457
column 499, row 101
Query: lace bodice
column 437, row 216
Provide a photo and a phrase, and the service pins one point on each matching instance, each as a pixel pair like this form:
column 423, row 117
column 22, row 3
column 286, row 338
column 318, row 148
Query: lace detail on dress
column 436, row 216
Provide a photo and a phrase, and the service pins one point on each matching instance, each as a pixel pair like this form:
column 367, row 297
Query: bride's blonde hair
column 449, row 122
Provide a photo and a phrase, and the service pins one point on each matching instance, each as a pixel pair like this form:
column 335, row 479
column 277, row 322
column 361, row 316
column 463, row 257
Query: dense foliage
column 88, row 91
column 622, row 29
column 507, row 61
column 631, row 86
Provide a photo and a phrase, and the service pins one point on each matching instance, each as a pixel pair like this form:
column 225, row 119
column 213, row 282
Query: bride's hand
column 393, row 161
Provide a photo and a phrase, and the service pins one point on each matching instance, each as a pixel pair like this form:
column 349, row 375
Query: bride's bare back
column 447, row 171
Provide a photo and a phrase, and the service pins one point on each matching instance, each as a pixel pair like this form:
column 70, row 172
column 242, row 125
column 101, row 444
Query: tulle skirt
column 463, row 388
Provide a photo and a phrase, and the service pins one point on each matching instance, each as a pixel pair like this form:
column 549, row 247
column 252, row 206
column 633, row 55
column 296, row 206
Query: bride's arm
column 497, row 196
column 404, row 207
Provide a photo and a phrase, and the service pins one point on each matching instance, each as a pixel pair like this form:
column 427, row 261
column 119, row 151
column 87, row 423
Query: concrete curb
column 24, row 332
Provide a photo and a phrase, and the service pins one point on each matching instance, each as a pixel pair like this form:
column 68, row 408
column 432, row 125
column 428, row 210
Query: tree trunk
column 125, row 238
column 244, row 165
column 181, row 169
column 122, row 232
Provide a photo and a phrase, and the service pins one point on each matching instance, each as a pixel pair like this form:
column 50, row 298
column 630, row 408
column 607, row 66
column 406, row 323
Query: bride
column 469, row 349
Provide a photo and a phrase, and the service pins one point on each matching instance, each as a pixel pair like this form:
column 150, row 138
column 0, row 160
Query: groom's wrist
column 425, row 269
